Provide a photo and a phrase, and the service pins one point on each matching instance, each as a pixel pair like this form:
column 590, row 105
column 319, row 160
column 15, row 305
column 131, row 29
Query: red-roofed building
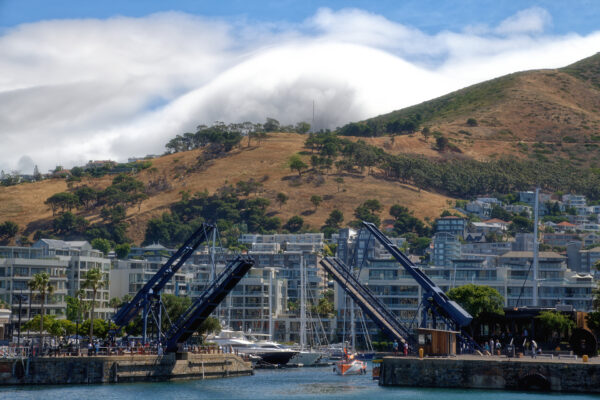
column 565, row 226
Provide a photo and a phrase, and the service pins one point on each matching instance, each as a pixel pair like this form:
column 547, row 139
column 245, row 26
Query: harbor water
column 299, row 383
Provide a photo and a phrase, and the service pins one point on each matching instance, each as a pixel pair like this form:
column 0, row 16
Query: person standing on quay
column 395, row 346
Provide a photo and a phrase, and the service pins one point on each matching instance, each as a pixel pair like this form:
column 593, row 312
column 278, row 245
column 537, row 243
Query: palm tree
column 115, row 303
column 41, row 283
column 93, row 281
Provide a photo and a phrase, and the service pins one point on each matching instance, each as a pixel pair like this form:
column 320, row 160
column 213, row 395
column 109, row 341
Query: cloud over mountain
column 74, row 90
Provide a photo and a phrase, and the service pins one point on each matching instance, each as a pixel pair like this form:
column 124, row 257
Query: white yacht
column 302, row 357
column 269, row 352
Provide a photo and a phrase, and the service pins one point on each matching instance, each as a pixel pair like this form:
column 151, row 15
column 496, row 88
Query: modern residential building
column 18, row 265
column 401, row 293
column 559, row 239
column 576, row 201
column 528, row 197
column 454, row 225
column 127, row 277
column 81, row 258
column 588, row 260
column 446, row 248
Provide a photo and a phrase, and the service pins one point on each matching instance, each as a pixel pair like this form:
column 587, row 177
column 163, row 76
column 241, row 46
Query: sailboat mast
column 352, row 326
column 271, row 304
column 302, row 305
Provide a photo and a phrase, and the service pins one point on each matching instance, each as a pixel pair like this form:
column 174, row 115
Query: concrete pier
column 477, row 372
column 115, row 369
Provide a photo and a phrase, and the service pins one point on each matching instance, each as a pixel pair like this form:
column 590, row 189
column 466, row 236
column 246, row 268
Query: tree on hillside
column 281, row 199
column 302, row 127
column 368, row 211
column 296, row 163
column 272, row 125
column 93, row 281
column 316, row 200
column 335, row 219
column 8, row 230
column 86, row 196
column 64, row 200
column 405, row 222
column 441, row 143
column 294, row 224
column 68, row 223
column 332, row 223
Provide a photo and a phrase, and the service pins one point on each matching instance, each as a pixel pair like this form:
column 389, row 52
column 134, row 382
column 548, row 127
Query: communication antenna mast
column 535, row 248
column 312, row 125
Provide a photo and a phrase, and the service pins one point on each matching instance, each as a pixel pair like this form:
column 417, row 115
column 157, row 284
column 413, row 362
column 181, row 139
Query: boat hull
column 306, row 358
column 270, row 357
column 354, row 367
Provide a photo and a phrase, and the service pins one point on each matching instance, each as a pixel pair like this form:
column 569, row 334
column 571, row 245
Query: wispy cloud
column 73, row 90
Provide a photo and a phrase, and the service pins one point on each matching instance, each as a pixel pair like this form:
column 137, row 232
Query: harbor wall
column 504, row 374
column 114, row 369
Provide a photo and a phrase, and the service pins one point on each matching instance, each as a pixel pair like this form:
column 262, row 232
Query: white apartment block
column 18, row 265
column 81, row 258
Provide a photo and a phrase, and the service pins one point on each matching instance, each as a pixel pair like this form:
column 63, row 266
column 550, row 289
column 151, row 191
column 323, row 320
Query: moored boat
column 349, row 365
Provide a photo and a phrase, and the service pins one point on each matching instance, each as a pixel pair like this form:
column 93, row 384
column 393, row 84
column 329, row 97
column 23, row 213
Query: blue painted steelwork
column 434, row 298
column 371, row 305
column 152, row 289
column 204, row 305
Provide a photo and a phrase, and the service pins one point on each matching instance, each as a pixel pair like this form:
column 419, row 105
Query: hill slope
column 267, row 162
column 548, row 113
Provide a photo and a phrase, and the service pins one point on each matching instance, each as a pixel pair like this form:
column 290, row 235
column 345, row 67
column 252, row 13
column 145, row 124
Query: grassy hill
column 266, row 163
column 532, row 114
column 540, row 115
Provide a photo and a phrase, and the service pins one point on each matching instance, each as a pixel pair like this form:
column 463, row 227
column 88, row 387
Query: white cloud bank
column 74, row 90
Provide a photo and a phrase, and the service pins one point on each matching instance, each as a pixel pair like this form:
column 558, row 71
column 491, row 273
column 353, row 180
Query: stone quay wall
column 114, row 369
column 486, row 373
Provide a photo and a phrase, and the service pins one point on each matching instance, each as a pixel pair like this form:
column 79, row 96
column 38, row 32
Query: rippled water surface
column 302, row 383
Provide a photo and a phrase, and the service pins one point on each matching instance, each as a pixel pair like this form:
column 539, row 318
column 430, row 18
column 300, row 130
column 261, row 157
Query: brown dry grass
column 24, row 204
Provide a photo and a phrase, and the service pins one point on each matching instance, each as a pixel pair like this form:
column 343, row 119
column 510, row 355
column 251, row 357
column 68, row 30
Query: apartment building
column 18, row 265
column 81, row 257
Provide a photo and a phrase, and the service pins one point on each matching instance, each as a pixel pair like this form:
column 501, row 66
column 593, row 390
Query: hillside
column 532, row 114
column 267, row 162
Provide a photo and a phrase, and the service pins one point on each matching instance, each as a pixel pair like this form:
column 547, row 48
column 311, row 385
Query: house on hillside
column 565, row 227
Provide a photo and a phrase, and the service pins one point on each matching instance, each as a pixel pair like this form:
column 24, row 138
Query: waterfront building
column 18, row 265
column 81, row 257
column 5, row 319
column 127, row 277
column 510, row 274
column 486, row 248
column 273, row 283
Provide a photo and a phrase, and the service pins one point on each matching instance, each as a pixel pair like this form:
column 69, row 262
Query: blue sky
column 82, row 80
column 581, row 16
